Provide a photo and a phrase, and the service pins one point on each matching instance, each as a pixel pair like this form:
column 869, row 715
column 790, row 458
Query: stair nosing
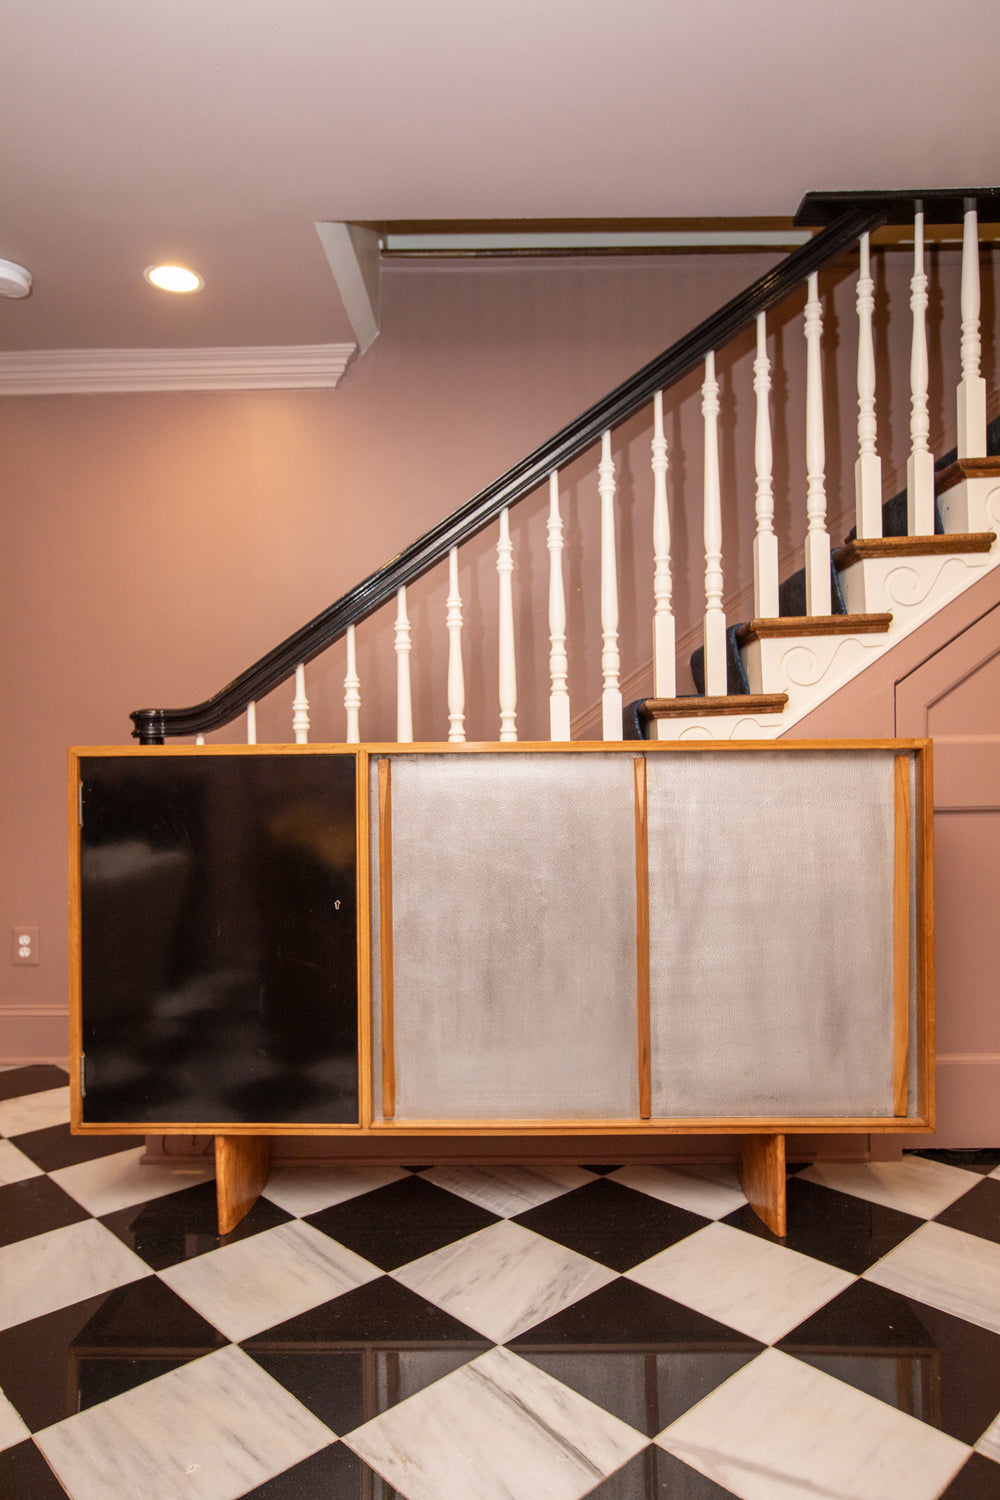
column 781, row 626
column 864, row 548
column 704, row 707
column 966, row 468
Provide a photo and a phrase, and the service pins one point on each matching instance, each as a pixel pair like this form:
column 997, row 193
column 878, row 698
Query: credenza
column 502, row 941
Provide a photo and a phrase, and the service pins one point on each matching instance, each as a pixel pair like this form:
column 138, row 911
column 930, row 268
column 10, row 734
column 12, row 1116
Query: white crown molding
column 63, row 372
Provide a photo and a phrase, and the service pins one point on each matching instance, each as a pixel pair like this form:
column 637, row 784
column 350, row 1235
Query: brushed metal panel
column 771, row 886
column 514, row 936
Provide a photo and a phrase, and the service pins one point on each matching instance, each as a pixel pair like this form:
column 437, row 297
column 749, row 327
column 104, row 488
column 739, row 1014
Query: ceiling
column 218, row 132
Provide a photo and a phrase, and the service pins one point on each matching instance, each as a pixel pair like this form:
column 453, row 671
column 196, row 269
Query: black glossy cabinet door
column 218, row 912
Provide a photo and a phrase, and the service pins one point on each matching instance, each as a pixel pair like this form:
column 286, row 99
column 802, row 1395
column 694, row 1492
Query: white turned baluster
column 817, row 536
column 765, row 543
column 664, row 628
column 868, row 466
column 352, row 691
column 404, row 706
column 300, row 708
column 456, row 675
column 508, row 671
column 716, row 677
column 972, row 389
column 558, row 660
column 920, row 464
column 611, row 696
column 251, row 723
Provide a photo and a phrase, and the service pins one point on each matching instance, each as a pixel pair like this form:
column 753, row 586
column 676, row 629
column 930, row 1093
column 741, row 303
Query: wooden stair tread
column 911, row 546
column 788, row 625
column 966, row 468
column 695, row 707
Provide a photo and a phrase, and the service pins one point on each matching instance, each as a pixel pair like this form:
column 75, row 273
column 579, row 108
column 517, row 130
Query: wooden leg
column 242, row 1163
column 762, row 1177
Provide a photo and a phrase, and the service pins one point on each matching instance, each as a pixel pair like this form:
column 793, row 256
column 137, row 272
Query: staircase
column 807, row 636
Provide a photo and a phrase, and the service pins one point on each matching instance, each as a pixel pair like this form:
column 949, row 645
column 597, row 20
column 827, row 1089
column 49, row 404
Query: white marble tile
column 779, row 1428
column 948, row 1269
column 509, row 1190
column 246, row 1287
column 915, row 1185
column 12, row 1429
column 212, row 1430
column 305, row 1190
column 34, row 1111
column 761, row 1289
column 119, row 1180
column 495, row 1429
column 989, row 1445
column 503, row 1279
column 14, row 1165
column 52, row 1270
column 712, row 1191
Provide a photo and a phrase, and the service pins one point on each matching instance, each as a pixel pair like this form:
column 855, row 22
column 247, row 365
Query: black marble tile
column 977, row 1212
column 361, row 1353
column 24, row 1475
column 656, row 1475
column 381, row 1312
column 978, row 1479
column 35, row 1079
column 630, row 1317
column 54, row 1147
column 34, row 1206
column 181, row 1225
column 401, row 1222
column 334, row 1473
column 836, row 1227
column 646, row 1390
column 925, row 1362
column 54, row 1366
column 612, row 1224
column 982, row 1162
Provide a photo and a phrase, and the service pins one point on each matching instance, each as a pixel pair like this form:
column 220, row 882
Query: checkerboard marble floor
column 489, row 1334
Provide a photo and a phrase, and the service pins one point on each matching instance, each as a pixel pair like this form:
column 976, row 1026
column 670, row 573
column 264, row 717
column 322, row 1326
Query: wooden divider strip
column 642, row 937
column 901, row 938
column 385, row 938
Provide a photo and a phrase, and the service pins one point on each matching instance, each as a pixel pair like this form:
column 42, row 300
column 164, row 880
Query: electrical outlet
column 25, row 945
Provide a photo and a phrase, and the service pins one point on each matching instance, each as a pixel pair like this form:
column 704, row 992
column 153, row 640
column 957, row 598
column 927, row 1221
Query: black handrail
column 153, row 724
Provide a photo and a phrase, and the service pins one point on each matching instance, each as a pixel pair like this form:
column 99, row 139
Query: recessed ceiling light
column 15, row 281
column 173, row 278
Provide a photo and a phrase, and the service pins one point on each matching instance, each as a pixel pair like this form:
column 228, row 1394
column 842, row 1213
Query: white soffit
column 293, row 367
column 353, row 256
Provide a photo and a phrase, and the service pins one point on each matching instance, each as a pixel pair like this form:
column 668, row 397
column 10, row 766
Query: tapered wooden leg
column 762, row 1177
column 242, row 1163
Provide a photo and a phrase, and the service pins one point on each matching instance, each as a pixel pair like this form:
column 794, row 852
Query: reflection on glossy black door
column 219, row 933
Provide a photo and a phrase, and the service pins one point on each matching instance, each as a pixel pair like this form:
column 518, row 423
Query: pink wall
column 155, row 545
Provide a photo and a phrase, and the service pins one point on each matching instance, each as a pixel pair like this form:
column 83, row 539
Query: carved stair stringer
column 905, row 581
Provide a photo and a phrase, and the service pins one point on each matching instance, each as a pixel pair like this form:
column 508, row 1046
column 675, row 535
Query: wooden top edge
column 959, row 542
column 966, row 468
column 791, row 625
column 735, row 704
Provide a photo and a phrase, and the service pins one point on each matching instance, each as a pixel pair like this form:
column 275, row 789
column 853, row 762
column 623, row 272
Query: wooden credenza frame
column 502, row 941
